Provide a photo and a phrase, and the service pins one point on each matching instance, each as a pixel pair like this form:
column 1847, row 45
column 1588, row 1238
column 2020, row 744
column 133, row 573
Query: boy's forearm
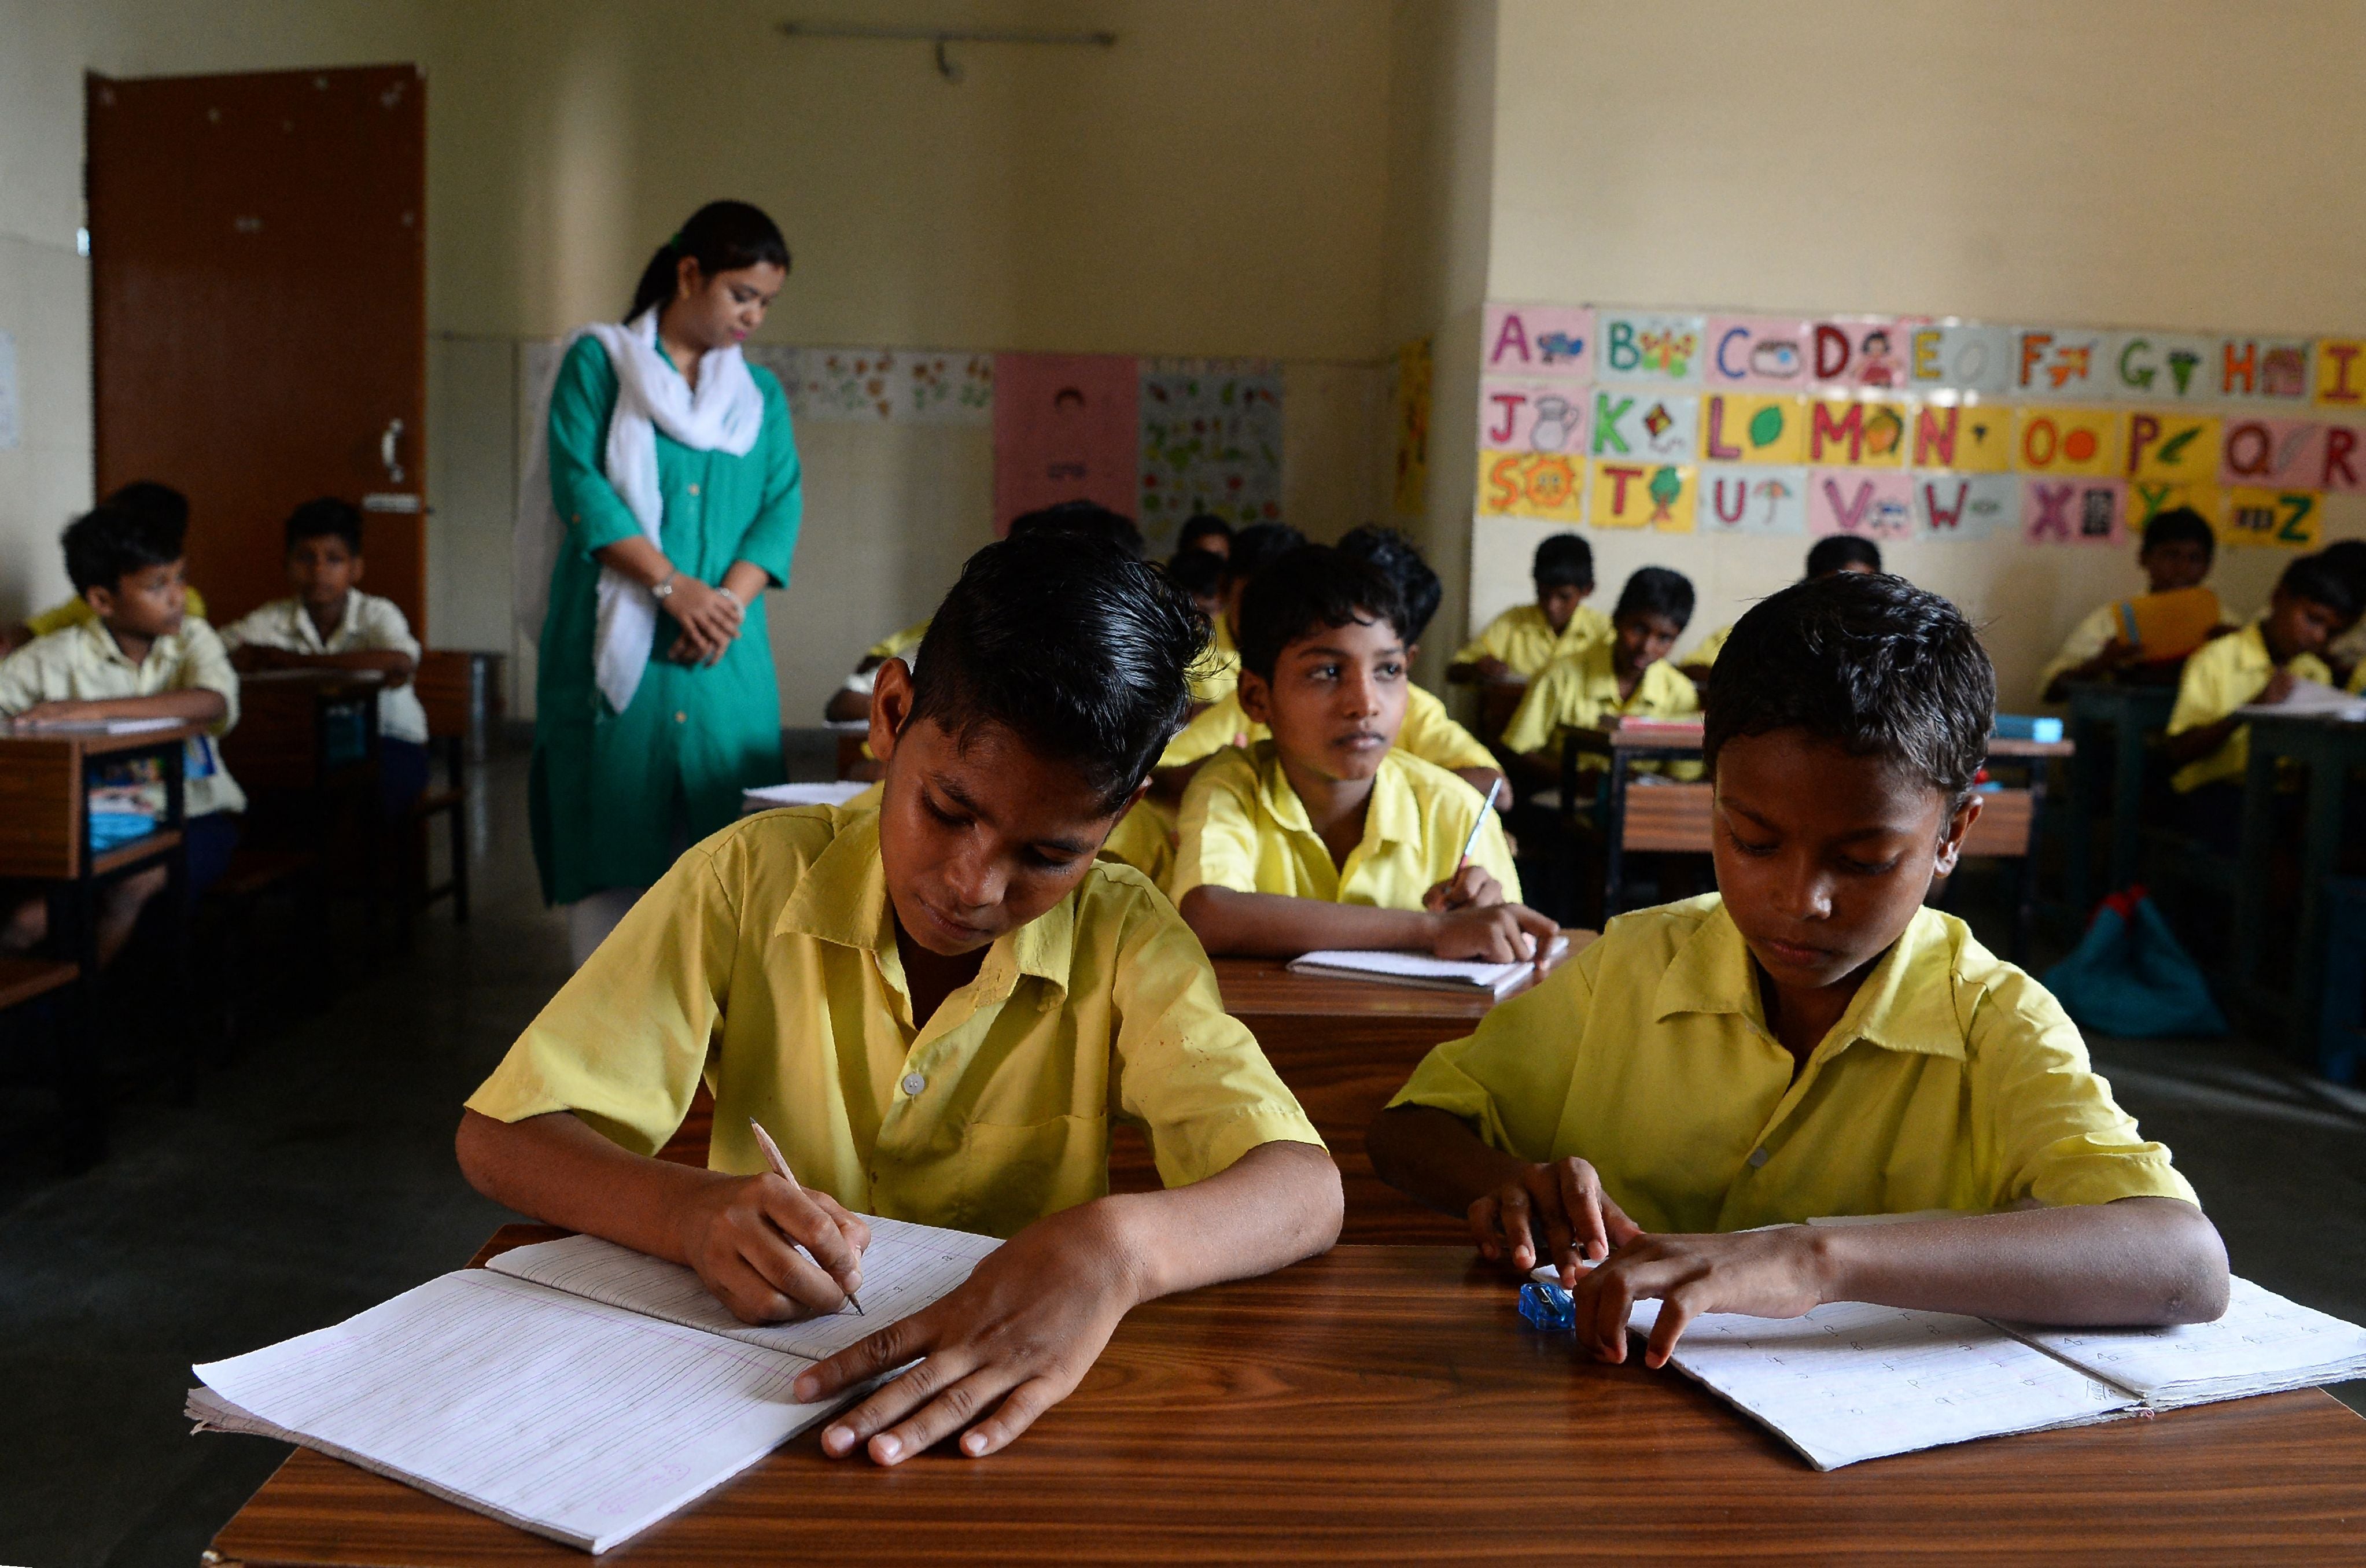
column 558, row 1170
column 2139, row 1261
column 1273, row 925
column 1278, row 1204
column 1435, row 1159
column 2192, row 745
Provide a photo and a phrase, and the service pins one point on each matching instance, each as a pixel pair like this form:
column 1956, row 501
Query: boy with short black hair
column 1327, row 834
column 1834, row 552
column 330, row 624
column 139, row 655
column 1811, row 1040
column 1627, row 673
column 1253, row 549
column 2178, row 550
column 163, row 506
column 1521, row 641
column 936, row 1007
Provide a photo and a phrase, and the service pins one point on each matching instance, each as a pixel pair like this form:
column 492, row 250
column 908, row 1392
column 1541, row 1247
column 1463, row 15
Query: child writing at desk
column 1811, row 1040
column 1326, row 834
column 139, row 655
column 2177, row 552
column 936, row 1007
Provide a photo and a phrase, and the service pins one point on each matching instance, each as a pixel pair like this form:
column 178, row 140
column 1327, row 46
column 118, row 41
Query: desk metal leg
column 2328, row 782
column 2253, row 865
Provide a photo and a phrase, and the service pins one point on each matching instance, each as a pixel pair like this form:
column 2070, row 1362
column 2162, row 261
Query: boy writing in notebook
column 1326, row 834
column 2178, row 550
column 936, row 1007
column 1521, row 641
column 1811, row 1040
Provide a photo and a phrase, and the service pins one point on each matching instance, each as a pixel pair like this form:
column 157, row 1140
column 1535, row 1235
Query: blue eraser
column 1547, row 1306
column 2028, row 726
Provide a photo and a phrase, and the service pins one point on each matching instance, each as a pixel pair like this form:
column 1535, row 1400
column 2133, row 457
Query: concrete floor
column 313, row 1176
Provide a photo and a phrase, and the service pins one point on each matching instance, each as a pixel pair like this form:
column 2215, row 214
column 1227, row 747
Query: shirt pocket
column 1010, row 1175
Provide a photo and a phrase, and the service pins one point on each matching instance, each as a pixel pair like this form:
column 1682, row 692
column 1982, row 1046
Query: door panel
column 259, row 311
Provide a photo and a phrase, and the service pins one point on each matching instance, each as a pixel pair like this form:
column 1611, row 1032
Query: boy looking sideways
column 2177, row 553
column 1326, row 835
column 1521, row 641
column 163, row 506
column 1626, row 674
column 1811, row 1040
column 936, row 1007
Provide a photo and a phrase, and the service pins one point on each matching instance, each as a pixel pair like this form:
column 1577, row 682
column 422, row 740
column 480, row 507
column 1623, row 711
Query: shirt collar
column 310, row 633
column 102, row 642
column 1908, row 1003
column 1391, row 815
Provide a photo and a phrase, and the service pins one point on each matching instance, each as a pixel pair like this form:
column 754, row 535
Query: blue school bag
column 2131, row 976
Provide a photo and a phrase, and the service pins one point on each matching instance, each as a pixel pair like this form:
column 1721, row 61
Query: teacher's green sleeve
column 581, row 401
column 772, row 537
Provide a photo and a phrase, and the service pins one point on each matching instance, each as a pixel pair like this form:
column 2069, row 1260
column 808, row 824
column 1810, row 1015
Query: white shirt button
column 913, row 1083
column 1757, row 1159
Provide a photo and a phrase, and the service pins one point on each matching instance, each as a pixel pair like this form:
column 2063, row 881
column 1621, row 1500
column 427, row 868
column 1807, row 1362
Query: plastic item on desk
column 2028, row 726
column 2167, row 626
column 1547, row 1306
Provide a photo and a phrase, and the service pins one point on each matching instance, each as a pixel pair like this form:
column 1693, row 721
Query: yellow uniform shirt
column 1954, row 1081
column 1218, row 673
column 897, row 644
column 1710, row 647
column 1428, row 732
column 82, row 664
column 2222, row 675
column 76, row 612
column 1144, row 839
column 2085, row 641
column 766, row 959
column 367, row 625
column 1244, row 828
column 1523, row 638
column 1582, row 691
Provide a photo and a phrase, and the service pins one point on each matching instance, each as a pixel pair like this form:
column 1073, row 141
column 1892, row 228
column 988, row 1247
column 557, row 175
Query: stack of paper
column 2311, row 699
column 1420, row 969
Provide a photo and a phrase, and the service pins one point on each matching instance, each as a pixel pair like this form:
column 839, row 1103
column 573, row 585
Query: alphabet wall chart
column 1902, row 427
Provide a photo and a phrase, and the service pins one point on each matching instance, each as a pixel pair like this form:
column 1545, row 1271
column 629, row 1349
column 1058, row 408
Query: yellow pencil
column 780, row 1169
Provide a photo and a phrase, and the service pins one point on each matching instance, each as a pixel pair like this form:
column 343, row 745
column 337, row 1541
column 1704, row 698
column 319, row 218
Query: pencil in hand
column 780, row 1165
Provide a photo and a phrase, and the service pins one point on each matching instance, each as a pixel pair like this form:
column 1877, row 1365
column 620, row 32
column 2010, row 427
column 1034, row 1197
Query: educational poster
column 2147, row 499
column 1532, row 416
column 1554, row 340
column 2177, row 448
column 2058, row 363
column 1740, row 427
column 1753, row 498
column 1853, row 500
column 1958, row 357
column 1637, row 346
column 1974, row 438
column 1851, row 353
column 1643, row 495
column 2269, row 369
column 2073, row 511
column 2341, row 372
column 1065, row 428
column 2279, row 519
column 868, row 386
column 2344, row 459
column 1409, row 405
column 1211, row 440
column 2273, row 453
column 2085, row 441
column 1965, row 506
column 1857, row 433
column 1663, row 428
column 2161, row 367
column 1758, row 353
column 1532, row 484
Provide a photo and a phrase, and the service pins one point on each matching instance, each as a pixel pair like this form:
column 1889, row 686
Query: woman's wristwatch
column 664, row 590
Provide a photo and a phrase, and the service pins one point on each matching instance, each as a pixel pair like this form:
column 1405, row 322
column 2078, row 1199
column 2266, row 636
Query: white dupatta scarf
column 725, row 414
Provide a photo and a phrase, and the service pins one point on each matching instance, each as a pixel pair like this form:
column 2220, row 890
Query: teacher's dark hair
column 722, row 236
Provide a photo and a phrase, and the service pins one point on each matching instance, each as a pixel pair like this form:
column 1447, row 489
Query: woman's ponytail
column 722, row 236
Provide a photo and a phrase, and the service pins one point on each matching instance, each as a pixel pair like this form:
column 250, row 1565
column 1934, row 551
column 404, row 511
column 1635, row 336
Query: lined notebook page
column 1850, row 1381
column 567, row 1417
column 905, row 1269
column 1420, row 968
column 2264, row 1345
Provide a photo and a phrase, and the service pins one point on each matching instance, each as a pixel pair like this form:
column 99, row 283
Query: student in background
column 140, row 655
column 2347, row 652
column 1196, row 575
column 793, row 960
column 1811, row 1040
column 1837, row 552
column 2208, row 743
column 1521, row 641
column 852, row 700
column 1205, row 534
column 167, row 507
column 1628, row 673
column 2177, row 553
column 1253, row 549
column 1326, row 835
column 330, row 624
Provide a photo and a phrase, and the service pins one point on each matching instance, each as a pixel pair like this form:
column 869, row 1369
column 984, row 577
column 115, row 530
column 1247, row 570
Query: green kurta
column 610, row 788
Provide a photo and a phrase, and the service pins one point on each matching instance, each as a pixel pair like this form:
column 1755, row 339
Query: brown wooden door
column 259, row 311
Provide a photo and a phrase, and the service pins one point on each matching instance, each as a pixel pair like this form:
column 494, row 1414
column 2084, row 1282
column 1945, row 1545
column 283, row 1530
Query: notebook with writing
column 1421, row 969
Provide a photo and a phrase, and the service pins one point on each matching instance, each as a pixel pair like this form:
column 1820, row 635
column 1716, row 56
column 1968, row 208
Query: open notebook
column 574, row 1388
column 1420, row 969
column 1851, row 1382
column 2311, row 699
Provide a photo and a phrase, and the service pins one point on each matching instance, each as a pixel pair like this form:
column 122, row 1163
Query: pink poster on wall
column 1064, row 429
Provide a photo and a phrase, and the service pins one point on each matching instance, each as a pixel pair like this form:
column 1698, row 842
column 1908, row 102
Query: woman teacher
column 675, row 497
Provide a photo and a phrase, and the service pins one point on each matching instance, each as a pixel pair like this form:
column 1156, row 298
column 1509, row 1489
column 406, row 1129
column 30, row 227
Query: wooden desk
column 305, row 751
column 2127, row 716
column 1387, row 1404
column 2328, row 750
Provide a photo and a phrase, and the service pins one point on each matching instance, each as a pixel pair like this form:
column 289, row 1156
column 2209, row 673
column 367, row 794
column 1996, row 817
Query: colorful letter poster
column 1532, row 416
column 1958, row 357
column 2341, row 372
column 2067, row 441
column 1860, row 434
column 1847, row 353
column 1753, row 498
column 2072, row 511
column 1758, row 353
column 1643, row 495
column 2345, row 459
column 2175, row 448
column 2147, row 499
column 1211, row 442
column 1064, row 429
column 1409, row 406
column 2062, row 363
column 1636, row 346
column 2163, row 367
column 1743, row 427
column 1640, row 424
column 1965, row 506
column 1855, row 500
column 1554, row 340
column 1532, row 484
column 2271, row 369
column 1975, row 438
column 2273, row 453
column 2284, row 519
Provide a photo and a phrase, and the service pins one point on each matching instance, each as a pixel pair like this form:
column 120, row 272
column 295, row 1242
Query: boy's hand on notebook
column 2279, row 687
column 742, row 1237
column 1765, row 1273
column 60, row 713
column 1472, row 887
column 1562, row 1203
column 1013, row 1341
column 1500, row 934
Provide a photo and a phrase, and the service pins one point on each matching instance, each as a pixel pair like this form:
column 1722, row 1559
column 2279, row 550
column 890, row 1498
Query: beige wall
column 2156, row 163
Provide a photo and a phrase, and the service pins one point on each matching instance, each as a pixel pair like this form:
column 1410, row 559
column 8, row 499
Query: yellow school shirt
column 766, row 960
column 2086, row 640
column 76, row 612
column 1522, row 638
column 1428, row 732
column 1710, row 647
column 1244, row 828
column 1954, row 1081
column 1144, row 839
column 897, row 644
column 1216, row 675
column 1582, row 691
column 82, row 664
column 2222, row 675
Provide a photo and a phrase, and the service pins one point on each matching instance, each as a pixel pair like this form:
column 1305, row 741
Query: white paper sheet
column 2263, row 1345
column 1421, row 969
